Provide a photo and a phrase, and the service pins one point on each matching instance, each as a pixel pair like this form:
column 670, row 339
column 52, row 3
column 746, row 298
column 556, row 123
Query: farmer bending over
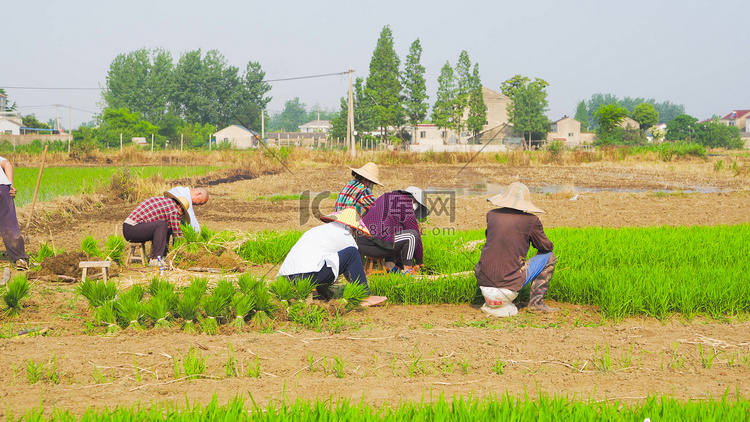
column 503, row 269
column 358, row 192
column 392, row 220
column 326, row 251
column 195, row 196
column 155, row 220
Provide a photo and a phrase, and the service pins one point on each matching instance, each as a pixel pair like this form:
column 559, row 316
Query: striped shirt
column 155, row 209
column 355, row 194
column 503, row 260
column 391, row 214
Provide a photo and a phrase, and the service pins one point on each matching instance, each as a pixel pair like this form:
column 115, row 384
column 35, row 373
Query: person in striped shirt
column 157, row 219
column 358, row 192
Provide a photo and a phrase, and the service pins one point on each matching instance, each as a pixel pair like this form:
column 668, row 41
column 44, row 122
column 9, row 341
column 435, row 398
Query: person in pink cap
column 502, row 269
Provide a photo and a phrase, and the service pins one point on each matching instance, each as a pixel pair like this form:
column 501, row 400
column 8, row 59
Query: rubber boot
column 539, row 288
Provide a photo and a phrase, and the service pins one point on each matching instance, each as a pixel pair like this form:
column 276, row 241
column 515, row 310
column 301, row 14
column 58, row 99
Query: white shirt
column 319, row 246
column 179, row 191
column 3, row 178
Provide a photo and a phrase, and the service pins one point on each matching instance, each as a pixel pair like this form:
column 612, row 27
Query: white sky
column 690, row 52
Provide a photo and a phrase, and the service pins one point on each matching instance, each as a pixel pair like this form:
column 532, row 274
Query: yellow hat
column 348, row 217
column 517, row 196
column 369, row 171
column 183, row 202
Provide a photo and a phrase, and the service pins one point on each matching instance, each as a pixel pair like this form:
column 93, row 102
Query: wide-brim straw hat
column 422, row 209
column 348, row 217
column 369, row 171
column 183, row 202
column 517, row 196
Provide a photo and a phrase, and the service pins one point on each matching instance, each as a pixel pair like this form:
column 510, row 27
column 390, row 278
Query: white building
column 316, row 126
column 9, row 126
column 239, row 136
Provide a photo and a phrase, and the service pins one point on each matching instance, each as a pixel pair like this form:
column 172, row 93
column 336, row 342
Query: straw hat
column 517, row 196
column 348, row 217
column 369, row 171
column 183, row 202
column 422, row 210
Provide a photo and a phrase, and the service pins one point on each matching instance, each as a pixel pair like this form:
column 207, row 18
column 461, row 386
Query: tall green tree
column 415, row 87
column 646, row 115
column 609, row 117
column 717, row 135
column 597, row 100
column 462, row 76
column 582, row 116
column 384, row 83
column 682, row 128
column 30, row 120
column 477, row 115
column 528, row 106
column 291, row 117
column 442, row 111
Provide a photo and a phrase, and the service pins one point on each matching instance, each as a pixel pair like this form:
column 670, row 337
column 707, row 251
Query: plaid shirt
column 159, row 208
column 355, row 194
column 392, row 214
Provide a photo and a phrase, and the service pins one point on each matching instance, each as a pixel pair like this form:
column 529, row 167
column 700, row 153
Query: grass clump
column 15, row 293
column 216, row 305
column 97, row 292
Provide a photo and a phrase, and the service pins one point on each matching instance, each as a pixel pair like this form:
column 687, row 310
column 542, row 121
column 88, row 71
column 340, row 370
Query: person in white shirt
column 9, row 229
column 324, row 252
column 196, row 196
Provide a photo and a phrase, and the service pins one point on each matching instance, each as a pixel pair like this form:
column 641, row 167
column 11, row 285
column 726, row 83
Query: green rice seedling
column 253, row 369
column 215, row 306
column 33, row 371
column 247, row 283
column 264, row 306
column 197, row 287
column 268, row 246
column 194, row 364
column 707, row 358
column 159, row 286
column 242, row 306
column 303, row 289
column 676, row 362
column 603, row 361
column 338, row 367
column 52, row 373
column 394, row 366
column 311, row 316
column 499, row 366
column 187, row 309
column 17, row 290
column 90, row 246
column 158, row 310
column 100, row 377
column 97, row 292
column 414, row 363
column 230, row 368
column 730, row 358
column 114, row 248
column 311, row 362
column 336, row 324
column 106, row 314
column 136, row 371
column 283, row 289
column 447, row 366
column 354, row 294
column 626, row 357
column 130, row 310
column 464, row 364
column 176, row 367
column 45, row 251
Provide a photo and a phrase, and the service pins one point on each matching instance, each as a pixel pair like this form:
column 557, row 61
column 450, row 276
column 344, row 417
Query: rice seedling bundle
column 114, row 248
column 310, row 316
column 283, row 289
column 130, row 309
column 90, row 246
column 106, row 314
column 187, row 309
column 215, row 306
column 303, row 289
column 97, row 292
column 264, row 305
column 15, row 292
column 353, row 295
column 45, row 251
column 242, row 305
column 247, row 283
column 158, row 309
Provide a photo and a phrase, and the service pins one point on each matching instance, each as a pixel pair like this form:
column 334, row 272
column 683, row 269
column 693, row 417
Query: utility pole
column 350, row 119
column 263, row 124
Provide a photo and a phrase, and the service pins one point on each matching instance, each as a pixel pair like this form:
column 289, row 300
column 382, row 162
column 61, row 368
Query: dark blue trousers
column 350, row 265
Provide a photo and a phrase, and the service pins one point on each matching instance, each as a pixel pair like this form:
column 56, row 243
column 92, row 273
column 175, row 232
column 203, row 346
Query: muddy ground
column 395, row 352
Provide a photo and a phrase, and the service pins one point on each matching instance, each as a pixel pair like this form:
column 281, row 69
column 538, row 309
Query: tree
column 609, row 117
column 582, row 116
column 646, row 115
column 681, row 128
column 363, row 114
column 31, row 121
column 129, row 124
column 597, row 100
column 668, row 111
column 443, row 108
column 462, row 77
column 383, row 83
column 477, row 116
column 528, row 105
column 714, row 134
column 415, row 87
column 290, row 119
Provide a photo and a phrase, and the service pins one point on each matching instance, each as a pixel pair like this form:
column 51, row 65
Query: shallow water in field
column 489, row 189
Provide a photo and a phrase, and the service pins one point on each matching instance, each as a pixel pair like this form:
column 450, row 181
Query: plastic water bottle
column 161, row 266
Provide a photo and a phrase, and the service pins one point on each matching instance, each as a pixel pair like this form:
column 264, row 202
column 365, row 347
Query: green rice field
column 494, row 408
column 627, row 271
column 63, row 181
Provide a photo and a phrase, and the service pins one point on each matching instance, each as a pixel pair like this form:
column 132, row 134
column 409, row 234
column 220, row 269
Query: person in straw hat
column 392, row 220
column 157, row 219
column 358, row 192
column 324, row 252
column 502, row 269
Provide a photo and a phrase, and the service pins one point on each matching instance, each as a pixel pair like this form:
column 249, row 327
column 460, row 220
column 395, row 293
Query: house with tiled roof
column 737, row 118
column 238, row 136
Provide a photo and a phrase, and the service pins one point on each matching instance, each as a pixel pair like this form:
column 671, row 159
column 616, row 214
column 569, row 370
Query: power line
column 294, row 78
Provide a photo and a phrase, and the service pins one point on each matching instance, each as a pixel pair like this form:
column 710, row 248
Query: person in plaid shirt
column 358, row 192
column 156, row 220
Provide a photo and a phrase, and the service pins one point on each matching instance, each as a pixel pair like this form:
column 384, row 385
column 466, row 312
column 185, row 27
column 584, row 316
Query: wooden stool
column 137, row 253
column 104, row 265
column 375, row 266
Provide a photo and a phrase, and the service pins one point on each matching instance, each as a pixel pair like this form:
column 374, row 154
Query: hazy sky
column 690, row 52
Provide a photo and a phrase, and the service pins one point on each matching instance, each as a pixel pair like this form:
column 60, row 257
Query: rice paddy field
column 651, row 286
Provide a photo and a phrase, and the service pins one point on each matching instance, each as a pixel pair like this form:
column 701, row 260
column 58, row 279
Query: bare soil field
column 394, row 352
